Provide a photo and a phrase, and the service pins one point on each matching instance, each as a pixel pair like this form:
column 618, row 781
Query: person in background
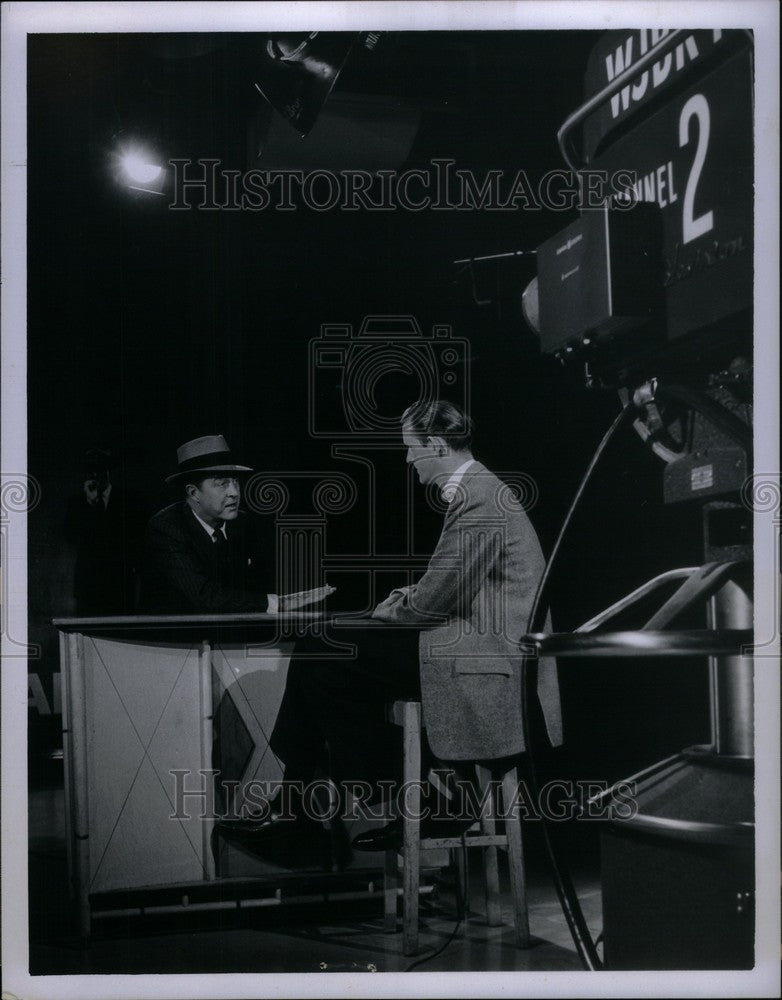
column 104, row 526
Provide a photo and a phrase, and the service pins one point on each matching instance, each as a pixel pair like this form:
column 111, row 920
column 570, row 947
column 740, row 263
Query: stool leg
column 411, row 824
column 516, row 861
column 490, row 864
column 390, row 885
column 460, row 856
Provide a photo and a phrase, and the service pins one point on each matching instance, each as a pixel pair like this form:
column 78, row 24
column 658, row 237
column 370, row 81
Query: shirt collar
column 448, row 491
column 208, row 528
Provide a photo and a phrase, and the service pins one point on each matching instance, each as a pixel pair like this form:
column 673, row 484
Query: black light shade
column 298, row 71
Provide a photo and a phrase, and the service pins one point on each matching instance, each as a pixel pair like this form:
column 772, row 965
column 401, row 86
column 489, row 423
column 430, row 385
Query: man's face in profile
column 217, row 499
column 422, row 455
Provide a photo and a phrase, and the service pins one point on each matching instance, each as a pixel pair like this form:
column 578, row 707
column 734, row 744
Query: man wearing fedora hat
column 202, row 554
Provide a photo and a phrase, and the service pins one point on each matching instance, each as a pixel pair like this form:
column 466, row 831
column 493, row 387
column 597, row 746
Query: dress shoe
column 272, row 827
column 273, row 812
column 383, row 838
column 390, row 837
column 287, row 843
column 290, row 843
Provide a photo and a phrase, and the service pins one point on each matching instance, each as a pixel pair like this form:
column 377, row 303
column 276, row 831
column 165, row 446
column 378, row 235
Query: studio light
column 137, row 168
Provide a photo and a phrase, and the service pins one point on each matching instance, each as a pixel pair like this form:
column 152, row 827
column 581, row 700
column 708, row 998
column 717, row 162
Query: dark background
column 149, row 327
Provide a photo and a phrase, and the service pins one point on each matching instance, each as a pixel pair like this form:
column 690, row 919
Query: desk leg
column 411, row 826
column 67, row 762
column 77, row 708
column 205, row 687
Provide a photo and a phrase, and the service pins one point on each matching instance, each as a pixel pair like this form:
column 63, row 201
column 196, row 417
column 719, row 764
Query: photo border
column 18, row 19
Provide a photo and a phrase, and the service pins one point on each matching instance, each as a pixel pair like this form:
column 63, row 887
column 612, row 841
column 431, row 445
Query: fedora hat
column 205, row 454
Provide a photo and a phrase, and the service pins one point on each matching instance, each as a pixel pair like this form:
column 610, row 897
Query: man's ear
column 439, row 444
column 190, row 491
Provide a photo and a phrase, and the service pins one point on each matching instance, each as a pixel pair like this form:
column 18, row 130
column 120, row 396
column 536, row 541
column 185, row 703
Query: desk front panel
column 144, row 717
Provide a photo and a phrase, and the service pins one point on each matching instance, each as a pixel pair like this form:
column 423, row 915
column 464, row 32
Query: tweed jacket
column 477, row 592
column 185, row 572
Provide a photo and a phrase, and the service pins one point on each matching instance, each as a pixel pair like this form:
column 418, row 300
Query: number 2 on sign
column 697, row 107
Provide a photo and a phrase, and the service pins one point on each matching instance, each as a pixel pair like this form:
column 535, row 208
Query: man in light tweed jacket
column 468, row 613
column 482, row 577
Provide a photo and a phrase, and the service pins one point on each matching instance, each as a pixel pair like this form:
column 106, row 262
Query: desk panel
column 144, row 715
column 140, row 701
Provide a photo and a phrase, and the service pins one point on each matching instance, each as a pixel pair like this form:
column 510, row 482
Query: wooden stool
column 408, row 715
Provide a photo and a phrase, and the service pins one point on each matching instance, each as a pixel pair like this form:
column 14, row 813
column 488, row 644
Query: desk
column 139, row 701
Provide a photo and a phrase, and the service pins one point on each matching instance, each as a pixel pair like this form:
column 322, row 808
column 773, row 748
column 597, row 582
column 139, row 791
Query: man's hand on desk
column 384, row 610
column 293, row 602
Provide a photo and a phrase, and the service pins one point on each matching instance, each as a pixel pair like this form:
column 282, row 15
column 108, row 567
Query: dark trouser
column 333, row 713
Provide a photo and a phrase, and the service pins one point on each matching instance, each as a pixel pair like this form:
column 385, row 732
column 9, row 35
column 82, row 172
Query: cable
column 463, row 902
column 537, row 615
column 568, row 898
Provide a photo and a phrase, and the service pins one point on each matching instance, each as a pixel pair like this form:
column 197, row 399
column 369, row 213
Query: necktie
column 219, row 539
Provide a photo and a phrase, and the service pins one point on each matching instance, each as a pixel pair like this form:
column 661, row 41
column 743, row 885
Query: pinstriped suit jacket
column 482, row 577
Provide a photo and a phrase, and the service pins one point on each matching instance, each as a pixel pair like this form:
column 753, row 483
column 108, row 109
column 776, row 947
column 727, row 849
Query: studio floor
column 342, row 935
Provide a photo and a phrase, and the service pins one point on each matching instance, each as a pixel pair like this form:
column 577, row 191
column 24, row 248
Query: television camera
column 652, row 295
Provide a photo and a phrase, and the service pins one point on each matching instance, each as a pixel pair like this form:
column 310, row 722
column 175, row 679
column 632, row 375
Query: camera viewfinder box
column 600, row 276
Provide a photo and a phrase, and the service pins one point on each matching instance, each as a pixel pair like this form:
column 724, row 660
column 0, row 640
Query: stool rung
column 476, row 840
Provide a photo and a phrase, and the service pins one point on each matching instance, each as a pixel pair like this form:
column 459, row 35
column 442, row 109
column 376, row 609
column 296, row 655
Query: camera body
column 352, row 375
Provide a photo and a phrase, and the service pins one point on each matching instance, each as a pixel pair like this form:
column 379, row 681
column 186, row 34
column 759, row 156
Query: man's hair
column 439, row 418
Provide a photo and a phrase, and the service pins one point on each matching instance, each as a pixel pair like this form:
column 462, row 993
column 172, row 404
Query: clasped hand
column 384, row 610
